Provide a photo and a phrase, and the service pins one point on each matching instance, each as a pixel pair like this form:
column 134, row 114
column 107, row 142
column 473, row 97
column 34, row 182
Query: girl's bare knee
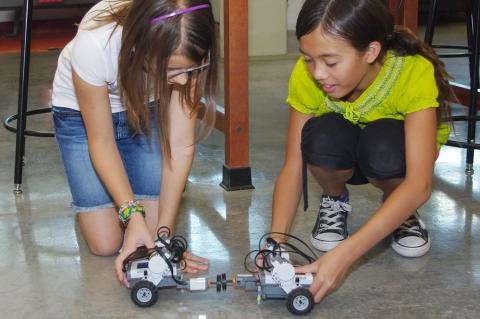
column 104, row 248
column 387, row 186
column 101, row 231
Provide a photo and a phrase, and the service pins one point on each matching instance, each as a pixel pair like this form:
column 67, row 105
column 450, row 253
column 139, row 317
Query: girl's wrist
column 279, row 231
column 350, row 250
column 130, row 210
column 279, row 238
column 136, row 218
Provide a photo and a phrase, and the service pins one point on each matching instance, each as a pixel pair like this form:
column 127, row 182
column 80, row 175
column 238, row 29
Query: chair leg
column 470, row 33
column 432, row 17
column 23, row 96
column 474, row 84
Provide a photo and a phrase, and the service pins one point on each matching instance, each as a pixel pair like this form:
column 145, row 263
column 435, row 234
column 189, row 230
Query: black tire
column 144, row 294
column 300, row 301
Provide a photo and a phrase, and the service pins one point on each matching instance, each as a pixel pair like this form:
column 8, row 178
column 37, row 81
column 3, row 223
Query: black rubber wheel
column 224, row 282
column 300, row 301
column 144, row 294
column 219, row 283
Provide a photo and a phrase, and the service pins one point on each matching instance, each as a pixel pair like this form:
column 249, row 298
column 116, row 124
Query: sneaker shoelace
column 332, row 215
column 410, row 227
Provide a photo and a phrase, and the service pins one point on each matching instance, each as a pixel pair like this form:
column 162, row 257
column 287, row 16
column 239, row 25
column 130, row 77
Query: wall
column 294, row 7
column 217, row 8
column 267, row 25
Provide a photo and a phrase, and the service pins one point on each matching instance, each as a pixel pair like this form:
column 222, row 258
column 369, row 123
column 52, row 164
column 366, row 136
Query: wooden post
column 236, row 170
column 407, row 14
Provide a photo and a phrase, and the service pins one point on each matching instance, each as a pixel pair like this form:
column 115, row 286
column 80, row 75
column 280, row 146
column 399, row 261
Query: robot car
column 149, row 270
column 277, row 280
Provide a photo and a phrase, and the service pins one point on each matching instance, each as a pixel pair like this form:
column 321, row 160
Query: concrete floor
column 46, row 271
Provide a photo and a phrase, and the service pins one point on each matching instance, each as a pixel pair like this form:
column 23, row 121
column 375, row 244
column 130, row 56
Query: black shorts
column 376, row 151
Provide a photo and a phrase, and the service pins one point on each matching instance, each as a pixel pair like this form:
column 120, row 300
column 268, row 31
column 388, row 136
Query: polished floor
column 46, row 271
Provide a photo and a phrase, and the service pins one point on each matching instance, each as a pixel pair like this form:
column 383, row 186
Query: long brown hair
column 144, row 55
column 361, row 22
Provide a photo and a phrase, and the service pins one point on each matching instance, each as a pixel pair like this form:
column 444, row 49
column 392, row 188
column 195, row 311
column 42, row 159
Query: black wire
column 264, row 266
column 310, row 259
column 177, row 246
column 278, row 247
column 163, row 228
column 245, row 261
column 170, row 266
column 289, row 236
column 148, row 252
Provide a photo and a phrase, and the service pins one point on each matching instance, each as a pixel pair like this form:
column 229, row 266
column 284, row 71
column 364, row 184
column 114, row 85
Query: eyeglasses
column 189, row 71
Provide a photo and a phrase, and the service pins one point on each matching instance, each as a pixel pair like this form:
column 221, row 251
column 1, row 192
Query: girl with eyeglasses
column 126, row 96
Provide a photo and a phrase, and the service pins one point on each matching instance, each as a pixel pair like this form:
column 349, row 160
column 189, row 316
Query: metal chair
column 21, row 116
column 472, row 50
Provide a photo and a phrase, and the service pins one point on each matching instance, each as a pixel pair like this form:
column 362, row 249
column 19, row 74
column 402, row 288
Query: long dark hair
column 146, row 49
column 363, row 21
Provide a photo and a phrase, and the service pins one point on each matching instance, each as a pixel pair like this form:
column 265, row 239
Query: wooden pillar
column 406, row 14
column 236, row 170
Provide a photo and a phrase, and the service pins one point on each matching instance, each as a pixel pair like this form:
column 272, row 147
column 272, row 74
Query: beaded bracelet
column 128, row 209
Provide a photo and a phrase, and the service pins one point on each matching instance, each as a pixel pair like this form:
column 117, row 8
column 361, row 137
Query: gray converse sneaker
column 411, row 239
column 331, row 225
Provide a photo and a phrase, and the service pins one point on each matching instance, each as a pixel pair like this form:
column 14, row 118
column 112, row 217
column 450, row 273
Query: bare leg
column 102, row 231
column 332, row 181
column 387, row 186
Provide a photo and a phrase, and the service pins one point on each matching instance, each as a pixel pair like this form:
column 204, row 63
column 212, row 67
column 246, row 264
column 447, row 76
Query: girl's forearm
column 174, row 178
column 286, row 197
column 109, row 166
column 397, row 208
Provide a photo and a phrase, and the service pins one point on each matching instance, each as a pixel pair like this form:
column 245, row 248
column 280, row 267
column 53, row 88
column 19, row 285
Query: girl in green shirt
column 368, row 104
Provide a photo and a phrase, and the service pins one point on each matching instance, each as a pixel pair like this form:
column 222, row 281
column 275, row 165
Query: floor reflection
column 48, row 272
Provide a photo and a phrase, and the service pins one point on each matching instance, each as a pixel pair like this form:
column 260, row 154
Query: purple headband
column 179, row 12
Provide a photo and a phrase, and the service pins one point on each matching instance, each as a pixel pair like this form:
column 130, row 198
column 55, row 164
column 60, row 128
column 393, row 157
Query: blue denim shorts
column 141, row 157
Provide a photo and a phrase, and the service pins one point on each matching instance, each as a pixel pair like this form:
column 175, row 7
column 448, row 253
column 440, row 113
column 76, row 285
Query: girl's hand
column 136, row 235
column 194, row 264
column 330, row 271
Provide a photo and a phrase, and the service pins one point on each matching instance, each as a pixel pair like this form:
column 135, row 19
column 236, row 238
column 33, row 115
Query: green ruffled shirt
column 405, row 84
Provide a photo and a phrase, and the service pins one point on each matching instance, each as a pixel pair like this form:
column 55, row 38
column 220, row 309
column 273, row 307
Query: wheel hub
column 144, row 295
column 300, row 303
